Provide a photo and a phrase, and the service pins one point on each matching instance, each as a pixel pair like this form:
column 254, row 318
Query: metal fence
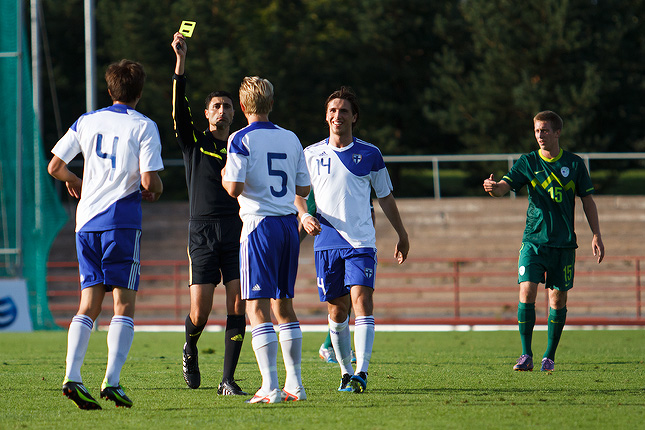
column 456, row 291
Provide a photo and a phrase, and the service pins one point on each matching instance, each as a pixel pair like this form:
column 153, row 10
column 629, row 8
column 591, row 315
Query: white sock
column 363, row 341
column 119, row 341
column 265, row 346
column 291, row 344
column 78, row 337
column 341, row 339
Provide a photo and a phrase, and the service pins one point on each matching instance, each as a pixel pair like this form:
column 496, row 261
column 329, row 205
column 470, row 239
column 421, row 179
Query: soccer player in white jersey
column 122, row 153
column 265, row 170
column 343, row 170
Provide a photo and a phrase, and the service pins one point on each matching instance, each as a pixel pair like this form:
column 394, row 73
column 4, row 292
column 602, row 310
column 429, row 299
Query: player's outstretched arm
column 58, row 169
column 401, row 249
column 180, row 48
column 496, row 189
column 591, row 212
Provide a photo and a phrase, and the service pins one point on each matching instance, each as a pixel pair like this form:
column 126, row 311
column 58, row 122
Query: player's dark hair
column 550, row 117
column 125, row 80
column 210, row 97
column 346, row 93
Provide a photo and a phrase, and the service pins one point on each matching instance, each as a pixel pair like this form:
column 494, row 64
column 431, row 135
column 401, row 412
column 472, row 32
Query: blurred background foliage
column 433, row 77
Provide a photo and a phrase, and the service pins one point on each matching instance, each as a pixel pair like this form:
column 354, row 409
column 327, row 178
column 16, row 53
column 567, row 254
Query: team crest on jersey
column 357, row 158
column 565, row 171
column 369, row 272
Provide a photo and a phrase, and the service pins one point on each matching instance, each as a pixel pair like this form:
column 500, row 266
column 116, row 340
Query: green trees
column 579, row 58
column 432, row 76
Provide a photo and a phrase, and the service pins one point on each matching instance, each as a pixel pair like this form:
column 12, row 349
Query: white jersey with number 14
column 342, row 179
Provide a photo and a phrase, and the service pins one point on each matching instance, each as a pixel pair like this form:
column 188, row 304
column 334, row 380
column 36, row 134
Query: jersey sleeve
column 185, row 130
column 237, row 160
column 380, row 178
column 584, row 187
column 150, row 148
column 68, row 146
column 517, row 177
column 302, row 173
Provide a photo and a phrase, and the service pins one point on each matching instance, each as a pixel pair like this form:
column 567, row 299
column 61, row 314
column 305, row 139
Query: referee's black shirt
column 204, row 158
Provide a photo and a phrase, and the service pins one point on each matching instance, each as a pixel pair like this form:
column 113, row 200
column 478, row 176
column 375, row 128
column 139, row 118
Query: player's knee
column 199, row 317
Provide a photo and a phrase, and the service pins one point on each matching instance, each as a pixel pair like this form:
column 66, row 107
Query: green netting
column 41, row 213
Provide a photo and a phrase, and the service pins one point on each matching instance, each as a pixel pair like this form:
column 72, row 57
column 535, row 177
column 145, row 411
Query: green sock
column 526, row 322
column 327, row 343
column 557, row 318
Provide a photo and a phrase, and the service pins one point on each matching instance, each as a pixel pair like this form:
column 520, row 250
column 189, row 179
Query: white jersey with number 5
column 118, row 144
column 269, row 160
column 342, row 179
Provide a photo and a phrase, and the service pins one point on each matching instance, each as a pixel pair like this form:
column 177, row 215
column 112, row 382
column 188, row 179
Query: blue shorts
column 109, row 257
column 536, row 261
column 269, row 259
column 338, row 269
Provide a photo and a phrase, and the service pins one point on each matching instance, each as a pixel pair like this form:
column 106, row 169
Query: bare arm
column 302, row 191
column 234, row 189
column 401, row 249
column 58, row 169
column 591, row 212
column 310, row 223
column 152, row 186
column 496, row 189
column 181, row 49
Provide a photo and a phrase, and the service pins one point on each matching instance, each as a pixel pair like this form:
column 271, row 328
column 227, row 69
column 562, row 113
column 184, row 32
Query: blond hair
column 256, row 95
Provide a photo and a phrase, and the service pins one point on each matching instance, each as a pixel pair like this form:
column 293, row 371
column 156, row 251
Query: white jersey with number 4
column 269, row 160
column 118, row 144
column 342, row 179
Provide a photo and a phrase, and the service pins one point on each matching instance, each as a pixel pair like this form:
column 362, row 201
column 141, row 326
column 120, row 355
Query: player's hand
column 598, row 248
column 179, row 45
column 401, row 250
column 311, row 225
column 149, row 196
column 490, row 184
column 74, row 187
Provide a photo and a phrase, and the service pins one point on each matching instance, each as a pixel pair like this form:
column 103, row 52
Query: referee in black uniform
column 214, row 227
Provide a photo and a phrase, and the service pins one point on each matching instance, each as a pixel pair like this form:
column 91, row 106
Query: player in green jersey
column 554, row 178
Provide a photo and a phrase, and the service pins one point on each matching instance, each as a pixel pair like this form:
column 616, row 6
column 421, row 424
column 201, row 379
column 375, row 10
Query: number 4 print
column 111, row 157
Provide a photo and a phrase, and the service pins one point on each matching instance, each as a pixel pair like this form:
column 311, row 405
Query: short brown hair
column 125, row 80
column 256, row 95
column 346, row 93
column 550, row 117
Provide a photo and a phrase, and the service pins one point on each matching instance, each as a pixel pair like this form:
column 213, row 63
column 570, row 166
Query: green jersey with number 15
column 553, row 185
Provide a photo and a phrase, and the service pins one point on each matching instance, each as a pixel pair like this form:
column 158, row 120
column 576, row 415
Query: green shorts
column 553, row 267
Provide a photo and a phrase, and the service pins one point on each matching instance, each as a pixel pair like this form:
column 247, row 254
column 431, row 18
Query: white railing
column 435, row 160
column 509, row 158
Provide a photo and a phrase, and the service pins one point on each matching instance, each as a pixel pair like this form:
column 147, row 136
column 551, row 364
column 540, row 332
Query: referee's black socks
column 233, row 339
column 193, row 333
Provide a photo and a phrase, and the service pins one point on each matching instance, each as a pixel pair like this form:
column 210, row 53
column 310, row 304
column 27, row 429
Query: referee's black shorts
column 214, row 250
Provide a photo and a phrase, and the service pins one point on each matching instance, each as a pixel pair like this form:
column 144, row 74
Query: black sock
column 235, row 329
column 192, row 335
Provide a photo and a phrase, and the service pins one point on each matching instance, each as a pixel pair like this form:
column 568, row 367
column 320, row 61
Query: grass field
column 417, row 380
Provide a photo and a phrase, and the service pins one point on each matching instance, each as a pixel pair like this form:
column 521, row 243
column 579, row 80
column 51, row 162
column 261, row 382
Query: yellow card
column 187, row 28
